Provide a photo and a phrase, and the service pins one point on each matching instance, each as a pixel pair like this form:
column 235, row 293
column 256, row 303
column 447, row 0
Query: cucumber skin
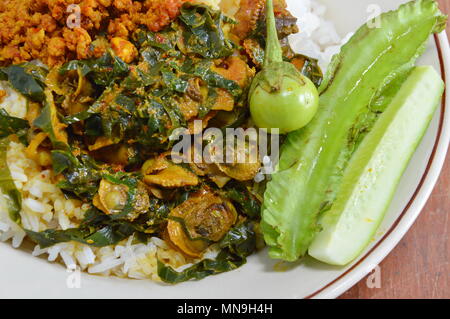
column 314, row 158
column 376, row 168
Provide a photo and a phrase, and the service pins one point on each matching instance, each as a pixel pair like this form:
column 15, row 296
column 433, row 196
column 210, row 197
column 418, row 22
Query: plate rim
column 414, row 208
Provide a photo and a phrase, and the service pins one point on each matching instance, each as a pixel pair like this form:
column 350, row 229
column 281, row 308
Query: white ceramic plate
column 24, row 276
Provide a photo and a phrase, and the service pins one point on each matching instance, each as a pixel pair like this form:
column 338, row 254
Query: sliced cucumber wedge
column 374, row 171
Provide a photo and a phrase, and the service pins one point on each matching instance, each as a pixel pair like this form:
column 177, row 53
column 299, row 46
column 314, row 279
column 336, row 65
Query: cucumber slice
column 374, row 171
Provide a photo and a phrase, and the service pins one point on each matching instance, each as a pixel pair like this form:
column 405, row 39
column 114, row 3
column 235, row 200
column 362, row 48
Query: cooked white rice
column 44, row 205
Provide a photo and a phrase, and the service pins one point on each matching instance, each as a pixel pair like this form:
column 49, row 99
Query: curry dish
column 103, row 100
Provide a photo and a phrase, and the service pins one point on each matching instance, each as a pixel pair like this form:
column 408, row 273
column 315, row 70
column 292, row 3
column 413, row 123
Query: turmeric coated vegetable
column 100, row 143
column 37, row 153
column 280, row 96
column 106, row 151
column 111, row 198
column 106, row 128
column 32, row 149
column 124, row 49
column 235, row 69
column 224, row 101
column 212, row 172
column 201, row 220
column 244, row 164
column 74, row 86
column 48, row 121
column 162, row 172
column 33, row 110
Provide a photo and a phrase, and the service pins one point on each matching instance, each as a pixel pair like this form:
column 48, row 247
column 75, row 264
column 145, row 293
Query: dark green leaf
column 82, row 174
column 138, row 79
column 105, row 236
column 173, row 82
column 244, row 200
column 97, row 229
column 216, row 80
column 27, row 79
column 206, row 106
column 107, row 69
column 76, row 65
column 311, row 69
column 62, row 161
column 204, row 34
column 11, row 195
column 239, row 243
column 102, row 71
column 12, row 125
column 131, row 182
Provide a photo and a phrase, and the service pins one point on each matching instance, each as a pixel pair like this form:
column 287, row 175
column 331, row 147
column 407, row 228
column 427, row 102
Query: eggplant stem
column 274, row 53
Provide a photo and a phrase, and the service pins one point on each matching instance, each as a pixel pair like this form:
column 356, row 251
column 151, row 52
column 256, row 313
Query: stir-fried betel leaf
column 308, row 67
column 204, row 34
column 26, row 78
column 173, row 82
column 97, row 230
column 313, row 159
column 48, row 121
column 11, row 196
column 102, row 134
column 12, row 125
column 108, row 235
column 235, row 247
column 202, row 69
column 82, row 175
column 243, row 199
column 102, row 71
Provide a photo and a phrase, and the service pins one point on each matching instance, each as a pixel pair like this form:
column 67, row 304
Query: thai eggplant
column 280, row 96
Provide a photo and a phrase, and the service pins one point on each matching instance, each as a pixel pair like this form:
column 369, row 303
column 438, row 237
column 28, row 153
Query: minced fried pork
column 37, row 29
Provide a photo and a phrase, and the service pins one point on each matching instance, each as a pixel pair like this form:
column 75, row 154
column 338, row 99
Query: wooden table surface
column 419, row 266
